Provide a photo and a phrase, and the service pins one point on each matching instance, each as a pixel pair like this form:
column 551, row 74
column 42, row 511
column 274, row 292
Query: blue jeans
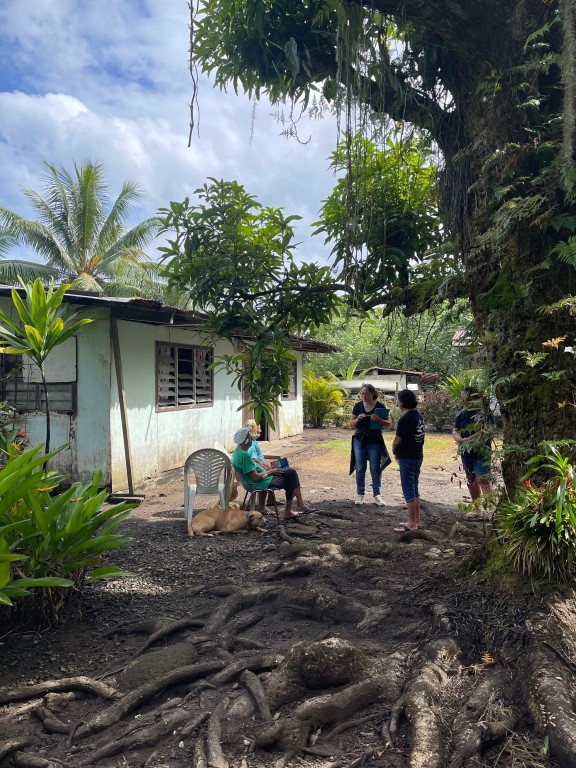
column 476, row 467
column 409, row 474
column 363, row 454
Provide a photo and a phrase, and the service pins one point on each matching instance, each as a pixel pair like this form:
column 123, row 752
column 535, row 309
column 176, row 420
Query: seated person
column 254, row 451
column 260, row 479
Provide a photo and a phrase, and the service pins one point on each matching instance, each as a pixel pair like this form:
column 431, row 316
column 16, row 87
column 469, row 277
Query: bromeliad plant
column 52, row 544
column 538, row 526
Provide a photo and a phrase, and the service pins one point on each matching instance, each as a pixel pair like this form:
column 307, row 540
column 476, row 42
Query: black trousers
column 288, row 481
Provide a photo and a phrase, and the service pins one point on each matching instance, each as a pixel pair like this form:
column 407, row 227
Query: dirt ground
column 331, row 641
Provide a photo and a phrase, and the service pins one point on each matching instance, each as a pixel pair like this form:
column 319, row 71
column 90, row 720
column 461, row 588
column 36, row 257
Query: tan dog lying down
column 227, row 520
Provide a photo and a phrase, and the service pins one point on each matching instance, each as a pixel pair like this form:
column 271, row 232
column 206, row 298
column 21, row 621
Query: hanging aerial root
column 417, row 704
column 144, row 693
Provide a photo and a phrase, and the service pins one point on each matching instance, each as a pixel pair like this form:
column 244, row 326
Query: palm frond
column 13, row 270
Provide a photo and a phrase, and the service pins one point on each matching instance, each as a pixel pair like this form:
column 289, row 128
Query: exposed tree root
column 87, row 684
column 417, row 700
column 484, row 720
column 214, row 750
column 253, row 661
column 245, row 620
column 292, row 570
column 140, row 696
column 314, row 666
column 12, row 745
column 146, row 736
column 253, row 684
column 165, row 631
column 237, row 602
column 552, row 694
column 50, row 722
column 200, row 760
column 28, row 760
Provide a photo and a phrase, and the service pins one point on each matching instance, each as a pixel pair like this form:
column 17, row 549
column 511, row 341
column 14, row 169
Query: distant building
column 388, row 381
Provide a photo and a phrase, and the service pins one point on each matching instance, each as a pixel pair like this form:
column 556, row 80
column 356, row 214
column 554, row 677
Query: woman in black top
column 369, row 417
column 408, row 447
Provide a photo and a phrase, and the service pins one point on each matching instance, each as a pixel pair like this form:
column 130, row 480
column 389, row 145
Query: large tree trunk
column 501, row 192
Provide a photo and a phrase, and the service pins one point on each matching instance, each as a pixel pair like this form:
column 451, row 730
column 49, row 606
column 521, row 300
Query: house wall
column 290, row 418
column 161, row 440
column 87, row 432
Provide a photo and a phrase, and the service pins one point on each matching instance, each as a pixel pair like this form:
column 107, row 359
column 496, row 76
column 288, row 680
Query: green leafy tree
column 234, row 257
column 500, row 108
column 419, row 343
column 323, row 399
column 44, row 324
column 382, row 216
column 82, row 236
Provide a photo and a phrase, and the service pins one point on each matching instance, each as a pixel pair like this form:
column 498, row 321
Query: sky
column 109, row 81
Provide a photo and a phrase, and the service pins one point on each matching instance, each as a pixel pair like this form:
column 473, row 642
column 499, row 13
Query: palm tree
column 82, row 236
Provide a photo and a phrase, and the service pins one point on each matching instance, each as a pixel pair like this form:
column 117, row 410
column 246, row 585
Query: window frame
column 185, row 406
column 34, row 387
column 286, row 393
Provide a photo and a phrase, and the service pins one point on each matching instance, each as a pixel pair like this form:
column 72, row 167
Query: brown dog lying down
column 227, row 520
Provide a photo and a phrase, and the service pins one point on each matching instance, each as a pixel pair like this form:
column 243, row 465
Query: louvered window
column 20, row 388
column 183, row 378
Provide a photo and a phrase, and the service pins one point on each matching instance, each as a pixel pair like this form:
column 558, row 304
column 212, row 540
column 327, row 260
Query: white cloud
column 109, row 81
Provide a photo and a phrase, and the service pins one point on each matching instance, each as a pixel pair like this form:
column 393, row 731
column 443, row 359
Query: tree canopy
column 234, row 257
column 494, row 85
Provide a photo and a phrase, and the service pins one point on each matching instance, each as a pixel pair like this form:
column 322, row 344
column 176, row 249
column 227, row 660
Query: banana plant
column 44, row 324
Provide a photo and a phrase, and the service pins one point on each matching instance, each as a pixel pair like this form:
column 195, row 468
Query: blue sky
column 109, row 80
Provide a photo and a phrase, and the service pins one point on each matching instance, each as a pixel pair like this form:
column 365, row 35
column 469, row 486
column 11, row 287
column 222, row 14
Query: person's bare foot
column 403, row 527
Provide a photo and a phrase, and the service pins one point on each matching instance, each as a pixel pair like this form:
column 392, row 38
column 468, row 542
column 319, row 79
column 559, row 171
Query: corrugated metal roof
column 156, row 313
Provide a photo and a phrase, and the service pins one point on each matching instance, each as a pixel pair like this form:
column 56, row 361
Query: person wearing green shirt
column 260, row 479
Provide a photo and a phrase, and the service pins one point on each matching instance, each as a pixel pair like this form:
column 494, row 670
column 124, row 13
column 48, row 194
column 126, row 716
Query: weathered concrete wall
column 162, row 439
column 86, row 360
column 290, row 418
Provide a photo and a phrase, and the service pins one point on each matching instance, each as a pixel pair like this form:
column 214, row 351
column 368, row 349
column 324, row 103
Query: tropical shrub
column 44, row 324
column 438, row 407
column 323, row 399
column 12, row 439
column 52, row 543
column 538, row 526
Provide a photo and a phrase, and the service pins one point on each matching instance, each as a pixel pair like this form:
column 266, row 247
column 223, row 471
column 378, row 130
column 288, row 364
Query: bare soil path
column 327, row 642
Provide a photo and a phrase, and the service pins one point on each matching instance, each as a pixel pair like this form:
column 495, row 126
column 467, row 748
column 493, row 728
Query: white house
column 388, row 381
column 132, row 394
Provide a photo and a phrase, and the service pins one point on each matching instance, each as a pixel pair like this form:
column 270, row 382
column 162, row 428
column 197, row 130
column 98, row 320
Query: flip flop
column 404, row 528
column 305, row 510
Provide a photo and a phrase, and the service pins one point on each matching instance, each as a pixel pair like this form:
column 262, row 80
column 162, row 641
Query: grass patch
column 439, row 449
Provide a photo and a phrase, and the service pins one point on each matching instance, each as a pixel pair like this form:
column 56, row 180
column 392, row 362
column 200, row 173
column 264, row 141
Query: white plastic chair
column 208, row 466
